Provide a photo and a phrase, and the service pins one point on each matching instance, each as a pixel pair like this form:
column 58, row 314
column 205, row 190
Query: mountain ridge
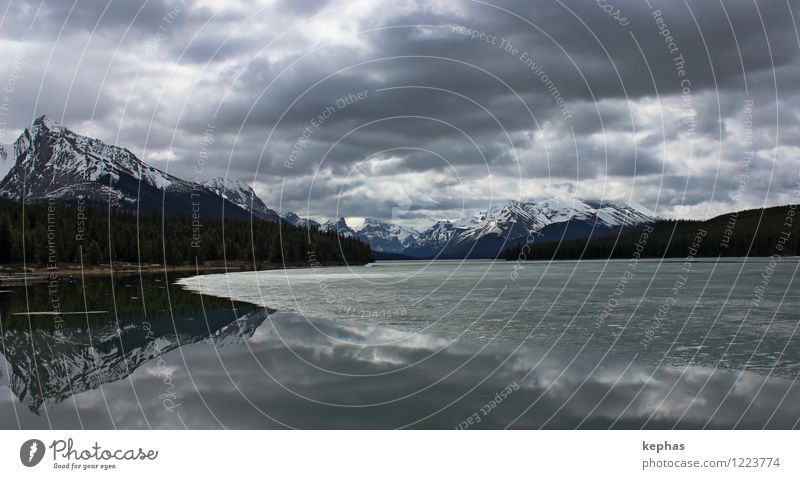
column 487, row 233
column 54, row 164
column 757, row 232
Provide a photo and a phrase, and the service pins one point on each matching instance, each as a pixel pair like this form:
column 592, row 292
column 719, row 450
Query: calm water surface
column 590, row 344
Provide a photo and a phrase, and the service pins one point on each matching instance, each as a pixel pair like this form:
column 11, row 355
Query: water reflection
column 54, row 353
column 190, row 361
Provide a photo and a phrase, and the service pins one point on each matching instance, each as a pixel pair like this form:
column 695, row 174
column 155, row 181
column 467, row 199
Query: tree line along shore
column 45, row 236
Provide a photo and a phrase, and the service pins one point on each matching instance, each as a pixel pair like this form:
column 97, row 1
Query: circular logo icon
column 31, row 452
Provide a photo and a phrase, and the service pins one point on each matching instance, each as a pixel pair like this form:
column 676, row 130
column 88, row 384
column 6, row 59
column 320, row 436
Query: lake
column 444, row 344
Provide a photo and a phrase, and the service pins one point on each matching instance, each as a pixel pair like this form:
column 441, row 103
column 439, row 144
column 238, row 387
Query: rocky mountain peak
column 54, row 163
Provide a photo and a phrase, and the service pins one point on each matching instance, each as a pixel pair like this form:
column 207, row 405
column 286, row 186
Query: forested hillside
column 756, row 232
column 57, row 234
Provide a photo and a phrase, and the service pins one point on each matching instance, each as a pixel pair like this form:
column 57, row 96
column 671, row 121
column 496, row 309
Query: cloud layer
column 354, row 108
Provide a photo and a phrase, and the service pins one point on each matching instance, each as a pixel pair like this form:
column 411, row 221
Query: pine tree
column 6, row 241
column 92, row 254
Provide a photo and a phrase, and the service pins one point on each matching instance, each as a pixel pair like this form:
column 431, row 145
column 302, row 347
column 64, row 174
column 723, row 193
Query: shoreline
column 12, row 273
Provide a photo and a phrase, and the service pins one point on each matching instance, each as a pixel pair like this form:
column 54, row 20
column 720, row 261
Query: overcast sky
column 417, row 110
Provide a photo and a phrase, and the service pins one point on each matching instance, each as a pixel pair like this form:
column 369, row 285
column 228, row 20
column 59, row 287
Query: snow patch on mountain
column 340, row 227
column 296, row 220
column 386, row 237
column 507, row 223
column 438, row 234
column 53, row 162
column 515, row 218
column 241, row 194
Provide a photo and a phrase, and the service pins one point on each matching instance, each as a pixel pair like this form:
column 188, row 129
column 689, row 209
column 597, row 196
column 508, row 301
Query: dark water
column 150, row 354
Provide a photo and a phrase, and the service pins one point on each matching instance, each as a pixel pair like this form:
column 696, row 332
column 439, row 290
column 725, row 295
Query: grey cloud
column 608, row 85
column 47, row 18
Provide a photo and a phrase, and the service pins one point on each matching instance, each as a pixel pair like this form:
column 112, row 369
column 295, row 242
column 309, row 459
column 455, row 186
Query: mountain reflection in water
column 51, row 356
column 199, row 362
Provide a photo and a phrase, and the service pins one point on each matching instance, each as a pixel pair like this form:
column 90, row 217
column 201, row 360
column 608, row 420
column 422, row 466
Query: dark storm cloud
column 582, row 99
column 213, row 48
column 46, row 19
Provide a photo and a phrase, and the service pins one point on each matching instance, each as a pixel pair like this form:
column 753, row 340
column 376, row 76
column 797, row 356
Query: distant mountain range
column 53, row 163
column 486, row 234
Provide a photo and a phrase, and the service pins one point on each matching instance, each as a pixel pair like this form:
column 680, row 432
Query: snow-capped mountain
column 242, row 195
column 514, row 219
column 501, row 226
column 437, row 236
column 54, row 163
column 386, row 237
column 295, row 220
column 381, row 236
column 339, row 226
column 509, row 223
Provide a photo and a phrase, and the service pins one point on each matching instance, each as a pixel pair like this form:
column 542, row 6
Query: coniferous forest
column 758, row 232
column 56, row 235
